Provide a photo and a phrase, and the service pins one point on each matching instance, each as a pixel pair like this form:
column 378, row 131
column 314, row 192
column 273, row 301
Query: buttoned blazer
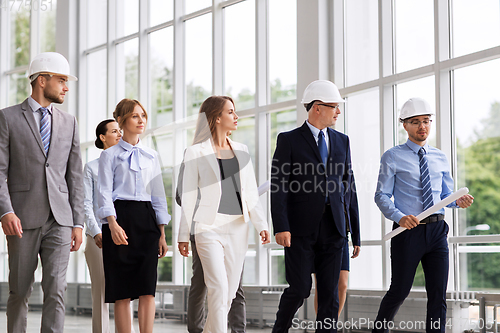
column 300, row 182
column 32, row 183
column 201, row 171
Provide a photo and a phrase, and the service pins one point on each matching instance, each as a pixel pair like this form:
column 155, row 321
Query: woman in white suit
column 219, row 172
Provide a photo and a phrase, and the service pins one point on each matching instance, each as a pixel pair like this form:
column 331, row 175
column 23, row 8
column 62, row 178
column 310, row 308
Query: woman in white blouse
column 222, row 172
column 107, row 135
column 133, row 207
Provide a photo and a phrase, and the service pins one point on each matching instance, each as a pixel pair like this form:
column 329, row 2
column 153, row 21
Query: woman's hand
column 117, row 233
column 162, row 247
column 265, row 236
column 98, row 240
column 184, row 248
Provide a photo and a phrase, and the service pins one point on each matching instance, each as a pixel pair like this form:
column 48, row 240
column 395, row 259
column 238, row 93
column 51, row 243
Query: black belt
column 432, row 218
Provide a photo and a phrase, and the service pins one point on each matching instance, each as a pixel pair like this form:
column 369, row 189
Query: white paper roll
column 264, row 187
column 431, row 210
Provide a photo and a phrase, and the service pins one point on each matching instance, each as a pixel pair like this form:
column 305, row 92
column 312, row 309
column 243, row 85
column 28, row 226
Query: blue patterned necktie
column 45, row 128
column 425, row 179
column 322, row 147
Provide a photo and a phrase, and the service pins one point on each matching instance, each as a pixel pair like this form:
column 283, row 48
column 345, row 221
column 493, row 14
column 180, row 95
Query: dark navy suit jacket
column 300, row 182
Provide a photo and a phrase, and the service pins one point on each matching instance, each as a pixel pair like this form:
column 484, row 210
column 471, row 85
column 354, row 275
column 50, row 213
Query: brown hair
column 210, row 110
column 125, row 108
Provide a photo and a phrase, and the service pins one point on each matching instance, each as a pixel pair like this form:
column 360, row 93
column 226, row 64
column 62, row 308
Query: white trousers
column 222, row 248
column 100, row 309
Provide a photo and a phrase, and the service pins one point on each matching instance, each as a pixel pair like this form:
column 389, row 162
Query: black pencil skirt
column 130, row 270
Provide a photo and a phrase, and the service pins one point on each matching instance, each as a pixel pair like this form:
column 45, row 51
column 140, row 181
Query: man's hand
column 11, row 225
column 465, row 201
column 284, row 238
column 76, row 238
column 355, row 252
column 183, row 248
column 98, row 240
column 162, row 247
column 408, row 222
column 265, row 236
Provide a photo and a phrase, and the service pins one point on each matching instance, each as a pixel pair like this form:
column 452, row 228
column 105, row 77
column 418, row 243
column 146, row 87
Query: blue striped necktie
column 45, row 128
column 425, row 179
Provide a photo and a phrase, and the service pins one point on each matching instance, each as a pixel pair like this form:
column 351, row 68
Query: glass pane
column 160, row 11
column 19, row 88
column 363, row 112
column 246, row 134
column 127, row 69
column 96, row 92
column 48, row 27
column 97, row 22
column 423, row 88
column 483, row 34
column 278, row 267
column 161, row 63
column 198, row 65
column 239, row 44
column 165, row 268
column 281, row 121
column 414, row 30
column 369, row 260
column 282, row 49
column 194, row 5
column 361, row 41
column 127, row 17
column 19, row 36
column 249, row 268
column 477, row 123
column 480, row 267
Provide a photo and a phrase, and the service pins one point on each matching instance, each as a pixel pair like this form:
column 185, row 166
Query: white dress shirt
column 315, row 131
column 128, row 172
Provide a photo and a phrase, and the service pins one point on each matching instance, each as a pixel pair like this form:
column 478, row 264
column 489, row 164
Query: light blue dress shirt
column 315, row 132
column 94, row 226
column 399, row 176
column 128, row 172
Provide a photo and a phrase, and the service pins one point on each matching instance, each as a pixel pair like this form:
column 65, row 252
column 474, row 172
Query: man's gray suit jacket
column 31, row 183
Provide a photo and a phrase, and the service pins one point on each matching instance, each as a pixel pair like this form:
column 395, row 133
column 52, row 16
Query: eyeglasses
column 331, row 106
column 417, row 123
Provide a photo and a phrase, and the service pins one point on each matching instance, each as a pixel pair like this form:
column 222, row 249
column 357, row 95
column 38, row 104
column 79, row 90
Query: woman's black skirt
column 130, row 270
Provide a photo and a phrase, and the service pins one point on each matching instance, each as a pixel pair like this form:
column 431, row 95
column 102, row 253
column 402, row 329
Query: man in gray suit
column 41, row 192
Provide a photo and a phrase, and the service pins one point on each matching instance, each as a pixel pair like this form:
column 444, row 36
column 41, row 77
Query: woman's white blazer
column 201, row 171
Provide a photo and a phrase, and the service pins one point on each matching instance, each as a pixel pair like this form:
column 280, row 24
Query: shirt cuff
column 163, row 217
column 78, row 226
column 398, row 216
column 5, row 214
column 104, row 212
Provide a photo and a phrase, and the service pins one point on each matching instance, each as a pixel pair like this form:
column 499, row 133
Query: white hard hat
column 322, row 90
column 50, row 63
column 415, row 107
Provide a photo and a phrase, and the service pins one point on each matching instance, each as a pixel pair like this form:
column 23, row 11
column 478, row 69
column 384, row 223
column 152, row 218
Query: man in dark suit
column 310, row 177
column 41, row 192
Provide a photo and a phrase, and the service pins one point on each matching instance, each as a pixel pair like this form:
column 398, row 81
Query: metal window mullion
column 261, row 124
column 143, row 72
column 83, row 73
column 111, row 58
column 217, row 49
column 4, row 49
column 179, row 135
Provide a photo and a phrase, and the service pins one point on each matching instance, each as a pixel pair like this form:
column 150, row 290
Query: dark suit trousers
column 196, row 301
column 426, row 243
column 321, row 252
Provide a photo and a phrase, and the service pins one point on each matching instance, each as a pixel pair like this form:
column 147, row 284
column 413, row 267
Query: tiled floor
column 82, row 324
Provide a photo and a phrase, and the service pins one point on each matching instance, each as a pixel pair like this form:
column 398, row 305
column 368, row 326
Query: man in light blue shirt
column 417, row 176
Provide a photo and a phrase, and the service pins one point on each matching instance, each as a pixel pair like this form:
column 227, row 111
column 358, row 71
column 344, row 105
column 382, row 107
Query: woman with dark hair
column 107, row 135
column 222, row 172
column 133, row 207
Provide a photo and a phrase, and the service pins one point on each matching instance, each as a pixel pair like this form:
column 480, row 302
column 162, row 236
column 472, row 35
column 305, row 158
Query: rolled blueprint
column 264, row 187
column 431, row 210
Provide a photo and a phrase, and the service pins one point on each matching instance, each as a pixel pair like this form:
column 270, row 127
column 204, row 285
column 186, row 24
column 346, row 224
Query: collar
column 132, row 153
column 315, row 131
column 35, row 105
column 413, row 146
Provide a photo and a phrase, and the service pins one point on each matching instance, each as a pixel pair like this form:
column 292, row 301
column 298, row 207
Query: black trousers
column 320, row 252
column 426, row 243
